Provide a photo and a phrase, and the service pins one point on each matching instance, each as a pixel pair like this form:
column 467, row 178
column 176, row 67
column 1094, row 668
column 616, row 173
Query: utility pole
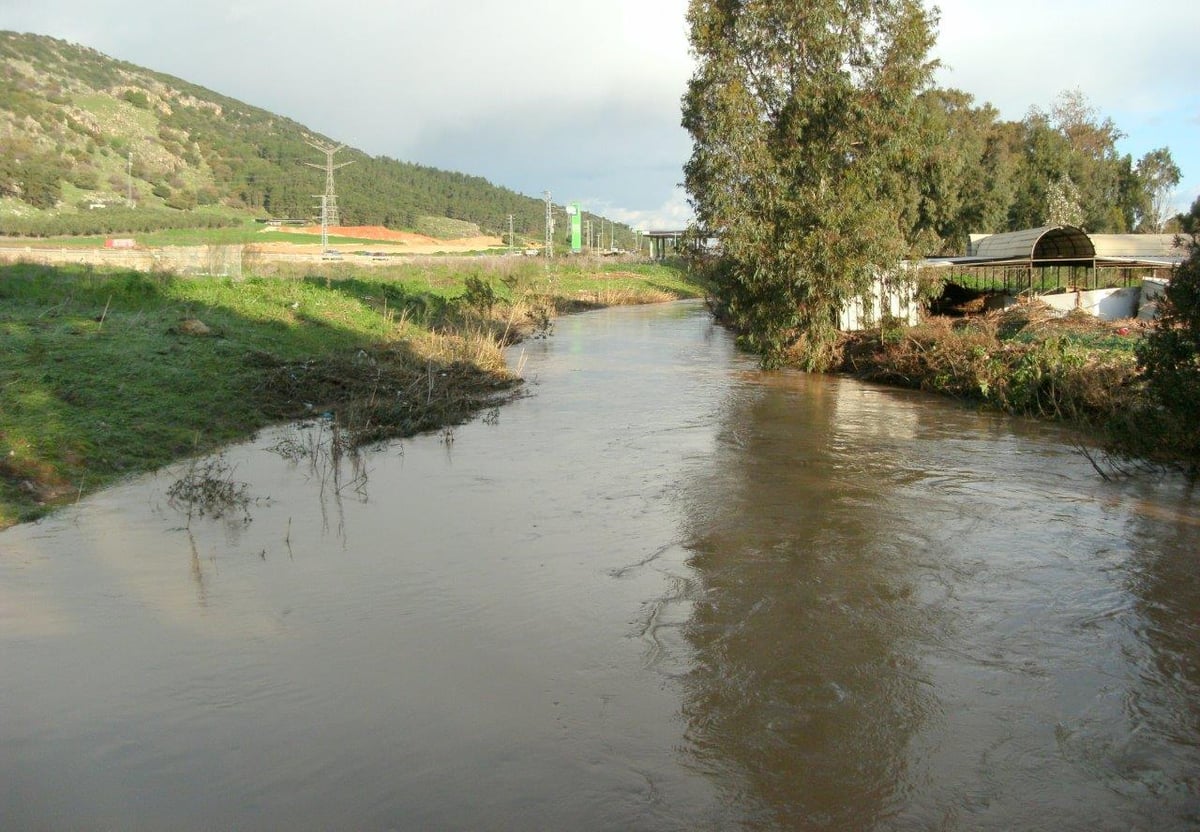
column 510, row 233
column 129, row 179
column 329, row 206
column 324, row 222
column 549, row 227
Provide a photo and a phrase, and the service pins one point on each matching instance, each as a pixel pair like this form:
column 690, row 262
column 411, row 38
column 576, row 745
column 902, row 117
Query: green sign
column 576, row 227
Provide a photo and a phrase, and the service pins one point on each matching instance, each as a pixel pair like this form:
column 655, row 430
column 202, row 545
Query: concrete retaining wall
column 1152, row 291
column 1106, row 304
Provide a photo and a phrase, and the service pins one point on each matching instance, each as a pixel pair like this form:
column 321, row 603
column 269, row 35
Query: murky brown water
column 663, row 592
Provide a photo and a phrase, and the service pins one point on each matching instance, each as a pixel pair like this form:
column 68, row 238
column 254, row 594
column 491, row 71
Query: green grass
column 95, row 382
column 513, row 278
column 628, row 276
column 99, row 381
column 238, row 235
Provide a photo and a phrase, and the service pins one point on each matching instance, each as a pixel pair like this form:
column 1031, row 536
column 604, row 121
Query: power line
column 329, row 206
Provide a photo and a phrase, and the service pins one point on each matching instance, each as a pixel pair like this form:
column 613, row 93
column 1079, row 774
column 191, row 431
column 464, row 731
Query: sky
column 583, row 100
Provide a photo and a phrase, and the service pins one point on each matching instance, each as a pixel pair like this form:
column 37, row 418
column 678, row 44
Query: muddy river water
column 664, row 591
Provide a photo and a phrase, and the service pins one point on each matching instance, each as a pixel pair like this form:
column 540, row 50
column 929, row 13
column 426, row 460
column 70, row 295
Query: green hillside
column 80, row 132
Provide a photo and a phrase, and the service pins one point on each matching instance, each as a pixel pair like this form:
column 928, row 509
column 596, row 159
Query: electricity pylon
column 329, row 206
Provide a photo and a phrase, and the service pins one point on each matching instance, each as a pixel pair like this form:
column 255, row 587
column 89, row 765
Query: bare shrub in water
column 333, row 454
column 209, row 490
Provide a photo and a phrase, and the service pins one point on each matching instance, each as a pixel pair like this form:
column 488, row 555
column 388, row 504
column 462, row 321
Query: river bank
column 1025, row 360
column 104, row 374
column 1030, row 361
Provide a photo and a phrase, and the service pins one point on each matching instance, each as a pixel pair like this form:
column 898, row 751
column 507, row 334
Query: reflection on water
column 324, row 453
column 806, row 690
column 665, row 591
column 1163, row 581
column 908, row 615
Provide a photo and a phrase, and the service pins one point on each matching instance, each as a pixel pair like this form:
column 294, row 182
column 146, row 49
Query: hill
column 81, row 133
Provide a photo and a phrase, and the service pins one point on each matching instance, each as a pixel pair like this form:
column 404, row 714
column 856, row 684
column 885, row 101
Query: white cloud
column 1124, row 55
column 1134, row 61
column 673, row 215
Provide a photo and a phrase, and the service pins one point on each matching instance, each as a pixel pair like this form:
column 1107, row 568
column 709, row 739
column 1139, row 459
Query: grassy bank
column 570, row 284
column 1024, row 361
column 106, row 374
column 1075, row 369
column 244, row 234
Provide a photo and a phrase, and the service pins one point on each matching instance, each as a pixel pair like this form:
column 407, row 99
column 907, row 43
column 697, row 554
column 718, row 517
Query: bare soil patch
column 410, row 241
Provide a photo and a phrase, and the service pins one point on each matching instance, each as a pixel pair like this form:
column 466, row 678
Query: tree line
column 980, row 174
column 110, row 221
column 823, row 155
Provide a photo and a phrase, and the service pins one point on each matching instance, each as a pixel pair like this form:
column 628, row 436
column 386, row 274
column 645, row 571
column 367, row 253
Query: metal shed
column 1150, row 246
column 1064, row 256
column 1055, row 244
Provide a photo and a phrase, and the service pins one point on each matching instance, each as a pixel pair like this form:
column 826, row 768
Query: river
column 662, row 591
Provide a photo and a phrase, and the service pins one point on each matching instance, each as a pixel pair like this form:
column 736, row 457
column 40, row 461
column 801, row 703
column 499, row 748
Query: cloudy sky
column 583, row 99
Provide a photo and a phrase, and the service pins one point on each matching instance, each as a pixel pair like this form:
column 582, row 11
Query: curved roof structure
column 1137, row 245
column 1060, row 244
column 1032, row 260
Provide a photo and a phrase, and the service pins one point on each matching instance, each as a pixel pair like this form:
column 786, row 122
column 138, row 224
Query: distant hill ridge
column 79, row 130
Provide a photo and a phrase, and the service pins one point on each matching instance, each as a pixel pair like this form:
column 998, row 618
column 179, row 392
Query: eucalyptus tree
column 1158, row 175
column 1072, row 151
column 1094, row 166
column 965, row 174
column 803, row 138
column 1189, row 223
column 1045, row 155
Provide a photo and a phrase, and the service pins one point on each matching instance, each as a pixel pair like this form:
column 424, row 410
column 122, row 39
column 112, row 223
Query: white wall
column 894, row 296
column 1106, row 304
column 1152, row 290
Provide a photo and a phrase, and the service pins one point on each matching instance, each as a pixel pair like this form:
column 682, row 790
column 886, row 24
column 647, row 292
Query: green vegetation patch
column 1024, row 361
column 156, row 229
column 107, row 374
column 89, row 228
